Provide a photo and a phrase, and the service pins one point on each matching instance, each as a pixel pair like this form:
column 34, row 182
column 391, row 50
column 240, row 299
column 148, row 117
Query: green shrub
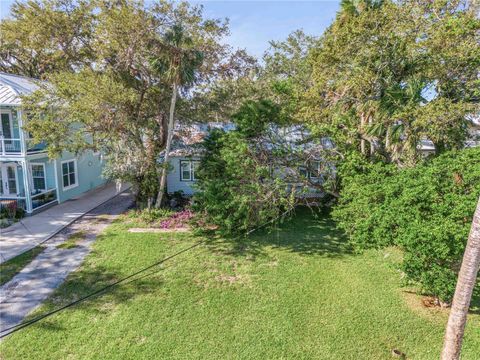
column 237, row 191
column 426, row 210
column 253, row 117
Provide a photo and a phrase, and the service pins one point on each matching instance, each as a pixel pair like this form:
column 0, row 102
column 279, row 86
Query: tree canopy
column 387, row 74
column 111, row 90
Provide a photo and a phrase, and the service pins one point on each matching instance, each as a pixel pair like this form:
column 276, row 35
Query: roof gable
column 13, row 86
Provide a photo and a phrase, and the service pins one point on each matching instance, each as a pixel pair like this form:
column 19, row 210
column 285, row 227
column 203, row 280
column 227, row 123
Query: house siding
column 88, row 165
column 89, row 174
column 173, row 178
column 20, row 183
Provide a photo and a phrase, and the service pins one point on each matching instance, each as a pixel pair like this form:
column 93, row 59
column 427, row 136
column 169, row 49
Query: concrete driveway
column 33, row 230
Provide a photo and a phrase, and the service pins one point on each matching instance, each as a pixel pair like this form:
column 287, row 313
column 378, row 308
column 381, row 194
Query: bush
column 12, row 211
column 426, row 210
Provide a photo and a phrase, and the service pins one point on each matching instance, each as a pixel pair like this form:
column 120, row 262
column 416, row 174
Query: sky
column 254, row 23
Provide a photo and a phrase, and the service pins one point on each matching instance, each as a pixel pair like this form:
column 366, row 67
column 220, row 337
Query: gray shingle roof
column 13, row 86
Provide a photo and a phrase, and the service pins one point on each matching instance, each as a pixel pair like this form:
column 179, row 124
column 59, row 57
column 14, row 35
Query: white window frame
column 192, row 167
column 308, row 173
column 317, row 170
column 44, row 175
column 75, row 167
column 10, row 122
column 192, row 172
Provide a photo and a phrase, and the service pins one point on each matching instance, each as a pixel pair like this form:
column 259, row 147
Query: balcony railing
column 44, row 198
column 14, row 147
column 10, row 146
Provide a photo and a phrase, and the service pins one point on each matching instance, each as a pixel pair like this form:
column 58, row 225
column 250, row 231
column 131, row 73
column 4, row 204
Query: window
column 69, row 174
column 312, row 172
column 38, row 176
column 195, row 165
column 303, row 171
column 6, row 129
column 188, row 169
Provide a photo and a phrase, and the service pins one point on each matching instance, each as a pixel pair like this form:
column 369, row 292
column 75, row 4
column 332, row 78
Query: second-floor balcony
column 10, row 146
column 13, row 147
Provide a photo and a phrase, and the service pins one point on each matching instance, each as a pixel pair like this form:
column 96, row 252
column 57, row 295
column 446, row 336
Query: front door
column 9, row 180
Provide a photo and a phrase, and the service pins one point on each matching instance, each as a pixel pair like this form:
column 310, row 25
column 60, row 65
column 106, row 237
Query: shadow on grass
column 475, row 305
column 307, row 232
column 12, row 267
column 88, row 281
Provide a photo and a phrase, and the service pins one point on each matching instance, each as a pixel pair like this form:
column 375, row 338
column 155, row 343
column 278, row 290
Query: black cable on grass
column 20, row 326
column 15, row 328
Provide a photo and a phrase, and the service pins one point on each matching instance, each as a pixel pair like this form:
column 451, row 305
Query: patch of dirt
column 425, row 306
column 73, row 240
column 231, row 279
column 431, row 302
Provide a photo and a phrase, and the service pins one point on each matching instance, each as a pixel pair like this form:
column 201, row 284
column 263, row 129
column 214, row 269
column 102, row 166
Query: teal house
column 28, row 178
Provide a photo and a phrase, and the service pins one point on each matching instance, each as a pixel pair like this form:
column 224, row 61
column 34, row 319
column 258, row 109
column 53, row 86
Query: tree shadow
column 307, row 232
column 88, row 281
column 475, row 304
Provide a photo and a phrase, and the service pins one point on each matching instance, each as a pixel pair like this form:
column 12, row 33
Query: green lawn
column 296, row 293
column 10, row 268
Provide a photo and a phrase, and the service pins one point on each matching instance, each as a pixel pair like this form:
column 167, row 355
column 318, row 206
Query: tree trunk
column 362, row 140
column 372, row 146
column 163, row 177
column 463, row 293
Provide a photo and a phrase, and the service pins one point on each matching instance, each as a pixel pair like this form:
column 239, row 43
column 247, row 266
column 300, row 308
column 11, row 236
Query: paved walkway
column 31, row 286
column 32, row 230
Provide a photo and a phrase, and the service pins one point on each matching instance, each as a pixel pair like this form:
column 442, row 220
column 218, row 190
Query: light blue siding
column 89, row 166
column 20, row 187
column 89, row 174
column 173, row 178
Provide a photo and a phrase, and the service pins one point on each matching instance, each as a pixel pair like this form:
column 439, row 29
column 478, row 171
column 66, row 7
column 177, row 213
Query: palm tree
column 463, row 293
column 179, row 66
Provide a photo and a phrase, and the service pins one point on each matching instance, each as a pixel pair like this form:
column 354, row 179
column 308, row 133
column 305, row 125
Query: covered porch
column 27, row 184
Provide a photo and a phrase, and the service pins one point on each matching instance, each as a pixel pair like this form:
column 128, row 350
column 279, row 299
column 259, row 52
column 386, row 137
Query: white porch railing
column 10, row 204
column 10, row 146
column 38, row 200
column 44, row 198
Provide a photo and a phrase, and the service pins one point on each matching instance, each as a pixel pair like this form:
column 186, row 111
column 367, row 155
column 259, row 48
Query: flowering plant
column 177, row 220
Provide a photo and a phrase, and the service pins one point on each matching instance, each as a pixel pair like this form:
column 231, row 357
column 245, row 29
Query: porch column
column 26, row 184
column 23, row 145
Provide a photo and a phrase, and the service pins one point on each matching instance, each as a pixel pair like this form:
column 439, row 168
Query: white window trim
column 189, row 170
column 192, row 177
column 44, row 175
column 10, row 120
column 76, row 173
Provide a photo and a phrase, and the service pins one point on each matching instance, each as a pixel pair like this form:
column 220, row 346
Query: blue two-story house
column 28, row 178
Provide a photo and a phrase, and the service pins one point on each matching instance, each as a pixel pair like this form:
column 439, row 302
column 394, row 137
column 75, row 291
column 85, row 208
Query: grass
column 72, row 240
column 147, row 217
column 295, row 293
column 10, row 268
